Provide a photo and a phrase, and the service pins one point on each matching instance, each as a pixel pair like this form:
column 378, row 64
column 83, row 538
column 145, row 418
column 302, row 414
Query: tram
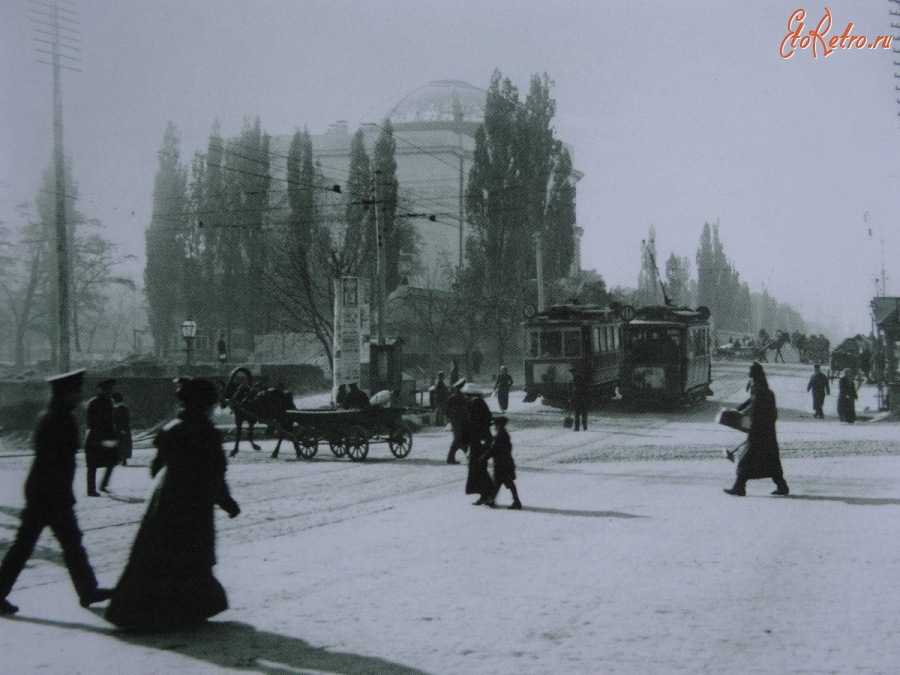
column 667, row 358
column 587, row 338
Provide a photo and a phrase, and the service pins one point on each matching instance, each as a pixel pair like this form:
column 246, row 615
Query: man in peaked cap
column 100, row 445
column 49, row 499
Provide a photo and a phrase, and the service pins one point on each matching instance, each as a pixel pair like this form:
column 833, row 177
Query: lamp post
column 189, row 332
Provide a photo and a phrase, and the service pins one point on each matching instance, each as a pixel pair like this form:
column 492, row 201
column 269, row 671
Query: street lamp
column 189, row 332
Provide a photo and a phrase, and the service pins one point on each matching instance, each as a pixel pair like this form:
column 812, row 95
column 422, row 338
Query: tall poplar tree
column 168, row 220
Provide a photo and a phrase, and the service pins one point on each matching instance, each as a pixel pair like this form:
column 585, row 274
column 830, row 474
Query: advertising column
column 351, row 329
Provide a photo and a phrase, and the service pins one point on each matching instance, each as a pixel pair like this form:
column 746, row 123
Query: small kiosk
column 886, row 314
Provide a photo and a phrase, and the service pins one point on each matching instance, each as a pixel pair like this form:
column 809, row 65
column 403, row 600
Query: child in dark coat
column 504, row 466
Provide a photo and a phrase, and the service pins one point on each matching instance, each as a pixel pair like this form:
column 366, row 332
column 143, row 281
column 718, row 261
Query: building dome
column 441, row 101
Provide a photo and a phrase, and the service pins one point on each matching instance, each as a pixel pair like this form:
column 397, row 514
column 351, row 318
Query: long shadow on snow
column 233, row 645
column 583, row 514
column 853, row 501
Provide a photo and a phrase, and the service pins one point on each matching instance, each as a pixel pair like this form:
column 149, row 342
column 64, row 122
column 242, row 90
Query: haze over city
column 677, row 114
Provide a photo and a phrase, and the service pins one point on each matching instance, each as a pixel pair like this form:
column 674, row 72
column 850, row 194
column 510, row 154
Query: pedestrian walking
column 441, row 394
column 846, row 404
column 454, row 371
column 818, row 385
column 168, row 581
column 504, row 466
column 49, row 497
column 479, row 480
column 502, row 387
column 762, row 458
column 458, row 414
column 122, row 418
column 579, row 397
column 100, row 445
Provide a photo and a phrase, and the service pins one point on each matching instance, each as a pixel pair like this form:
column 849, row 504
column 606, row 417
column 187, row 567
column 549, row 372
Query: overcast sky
column 678, row 113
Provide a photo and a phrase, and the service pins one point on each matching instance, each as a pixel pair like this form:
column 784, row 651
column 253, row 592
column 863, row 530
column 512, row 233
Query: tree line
column 103, row 304
column 246, row 253
column 734, row 308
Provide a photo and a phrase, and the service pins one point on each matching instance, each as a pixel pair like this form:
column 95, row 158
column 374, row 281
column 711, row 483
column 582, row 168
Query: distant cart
column 349, row 433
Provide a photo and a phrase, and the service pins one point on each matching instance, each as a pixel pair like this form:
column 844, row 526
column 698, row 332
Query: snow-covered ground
column 627, row 558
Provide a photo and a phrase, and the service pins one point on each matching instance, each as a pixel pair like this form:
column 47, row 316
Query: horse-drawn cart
column 349, row 433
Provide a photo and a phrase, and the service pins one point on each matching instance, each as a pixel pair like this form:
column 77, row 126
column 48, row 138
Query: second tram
column 667, row 357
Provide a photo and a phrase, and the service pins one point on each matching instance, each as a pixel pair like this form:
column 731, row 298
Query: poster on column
column 351, row 329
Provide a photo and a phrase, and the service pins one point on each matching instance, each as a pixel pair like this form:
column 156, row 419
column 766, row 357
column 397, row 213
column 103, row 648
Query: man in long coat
column 458, row 414
column 504, row 384
column 49, row 498
column 762, row 459
column 818, row 385
column 441, row 394
column 100, row 446
column 579, row 397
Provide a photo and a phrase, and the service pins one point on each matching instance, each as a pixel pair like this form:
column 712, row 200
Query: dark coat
column 762, row 459
column 101, row 426
column 480, row 422
column 441, row 394
column 168, row 580
column 818, row 385
column 504, row 384
column 356, row 398
column 122, row 417
column 846, row 404
column 579, row 391
column 56, row 440
column 501, row 452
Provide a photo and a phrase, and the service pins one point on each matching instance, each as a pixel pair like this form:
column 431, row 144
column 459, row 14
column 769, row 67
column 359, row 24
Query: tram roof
column 675, row 316
column 560, row 315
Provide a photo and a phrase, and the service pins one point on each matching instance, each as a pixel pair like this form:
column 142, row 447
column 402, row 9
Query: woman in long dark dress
column 762, row 459
column 478, row 480
column 846, row 404
column 168, row 581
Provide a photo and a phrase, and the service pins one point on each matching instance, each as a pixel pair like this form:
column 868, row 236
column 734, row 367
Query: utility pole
column 460, row 218
column 539, row 259
column 380, row 280
column 58, row 19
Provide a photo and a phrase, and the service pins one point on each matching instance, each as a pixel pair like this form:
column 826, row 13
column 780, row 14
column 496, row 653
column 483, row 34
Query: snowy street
column 627, row 558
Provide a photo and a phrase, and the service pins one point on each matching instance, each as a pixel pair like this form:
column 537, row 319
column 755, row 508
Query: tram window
column 655, row 343
column 551, row 343
column 572, row 342
column 595, row 339
column 617, row 338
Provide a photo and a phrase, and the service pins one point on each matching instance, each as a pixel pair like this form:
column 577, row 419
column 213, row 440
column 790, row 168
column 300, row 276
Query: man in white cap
column 49, row 499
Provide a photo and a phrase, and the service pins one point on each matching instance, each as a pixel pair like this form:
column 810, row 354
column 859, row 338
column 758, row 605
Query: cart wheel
column 309, row 443
column 337, row 445
column 357, row 444
column 400, row 442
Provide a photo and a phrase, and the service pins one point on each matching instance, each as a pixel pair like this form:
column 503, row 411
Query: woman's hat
column 756, row 369
column 74, row 379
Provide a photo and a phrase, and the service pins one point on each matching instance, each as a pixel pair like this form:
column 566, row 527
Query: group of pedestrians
column 847, row 394
column 168, row 580
column 470, row 423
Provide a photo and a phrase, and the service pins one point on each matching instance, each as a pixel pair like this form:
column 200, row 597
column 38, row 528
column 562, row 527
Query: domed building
column 434, row 131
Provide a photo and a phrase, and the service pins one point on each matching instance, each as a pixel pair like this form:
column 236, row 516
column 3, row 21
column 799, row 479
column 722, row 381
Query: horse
column 254, row 404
